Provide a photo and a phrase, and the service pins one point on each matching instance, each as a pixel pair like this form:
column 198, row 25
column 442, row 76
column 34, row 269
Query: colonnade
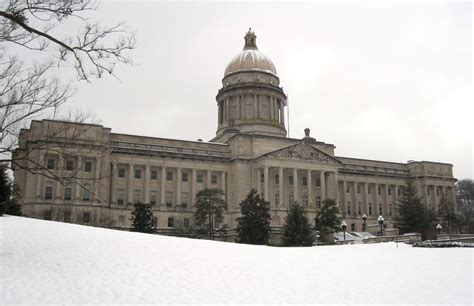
column 229, row 109
column 177, row 181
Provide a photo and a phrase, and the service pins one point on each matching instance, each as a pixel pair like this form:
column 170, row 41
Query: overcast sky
column 385, row 81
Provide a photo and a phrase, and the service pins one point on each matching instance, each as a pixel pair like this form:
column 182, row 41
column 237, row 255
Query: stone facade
column 103, row 173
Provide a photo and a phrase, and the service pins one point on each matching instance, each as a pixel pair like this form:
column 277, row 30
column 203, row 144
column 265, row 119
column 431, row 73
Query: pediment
column 301, row 151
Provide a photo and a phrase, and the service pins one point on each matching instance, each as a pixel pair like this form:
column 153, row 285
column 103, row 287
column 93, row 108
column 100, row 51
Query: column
column 265, row 184
column 322, row 178
column 354, row 203
column 78, row 181
column 395, row 196
column 376, row 199
column 208, row 179
column 366, row 199
column 193, row 187
column 178, row 187
column 280, row 186
column 385, row 205
column 130, row 182
column 147, row 184
column 223, row 185
column 282, row 113
column 295, row 185
column 58, row 182
column 259, row 181
column 97, row 179
column 344, row 200
column 310, row 189
column 113, row 192
column 163, row 186
column 336, row 186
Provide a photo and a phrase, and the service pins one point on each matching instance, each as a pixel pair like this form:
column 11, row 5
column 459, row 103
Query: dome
column 250, row 59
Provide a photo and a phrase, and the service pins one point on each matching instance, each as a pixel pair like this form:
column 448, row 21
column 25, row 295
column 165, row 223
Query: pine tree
column 297, row 230
column 412, row 216
column 8, row 194
column 142, row 219
column 210, row 207
column 254, row 225
column 327, row 219
column 447, row 215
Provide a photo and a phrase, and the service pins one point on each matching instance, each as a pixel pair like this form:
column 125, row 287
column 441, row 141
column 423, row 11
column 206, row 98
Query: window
column 318, row 182
column 370, row 209
column 50, row 163
column 153, row 196
column 348, row 188
column 121, row 219
column 47, row 214
column 67, row 193
column 214, row 179
column 199, row 178
column 264, row 111
column 277, row 179
column 262, row 178
column 437, row 192
column 121, row 172
column 389, row 190
column 380, row 208
column 48, row 193
column 390, row 210
column 184, row 177
column 67, row 216
column 427, row 190
column 369, row 190
column 379, row 190
column 353, row 227
column 186, row 222
column 184, row 199
column 169, row 176
column 137, row 196
column 304, row 180
column 399, row 191
column 277, row 198
column 170, row 222
column 291, row 197
column 318, row 201
column 358, row 188
column 120, row 196
column 88, row 166
column 154, row 174
column 359, row 209
column 348, row 208
column 234, row 111
column 290, row 180
column 305, row 199
column 249, row 110
column 138, row 173
column 86, row 217
column 169, row 198
column 86, row 193
column 69, row 164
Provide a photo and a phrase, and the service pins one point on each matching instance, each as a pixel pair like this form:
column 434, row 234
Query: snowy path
column 50, row 262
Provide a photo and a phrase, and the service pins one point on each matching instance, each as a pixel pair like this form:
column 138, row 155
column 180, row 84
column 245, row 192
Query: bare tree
column 36, row 46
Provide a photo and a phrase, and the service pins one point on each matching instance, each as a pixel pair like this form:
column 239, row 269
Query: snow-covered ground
column 50, row 262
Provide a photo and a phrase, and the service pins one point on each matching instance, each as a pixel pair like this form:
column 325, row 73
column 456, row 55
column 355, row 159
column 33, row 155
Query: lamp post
column 380, row 219
column 364, row 217
column 344, row 226
column 439, row 228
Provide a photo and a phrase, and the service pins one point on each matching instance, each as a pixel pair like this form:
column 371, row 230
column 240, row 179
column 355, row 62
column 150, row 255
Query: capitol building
column 91, row 175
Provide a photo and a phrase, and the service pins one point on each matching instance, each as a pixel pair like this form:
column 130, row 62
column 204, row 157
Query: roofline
column 65, row 121
column 390, row 162
column 171, row 139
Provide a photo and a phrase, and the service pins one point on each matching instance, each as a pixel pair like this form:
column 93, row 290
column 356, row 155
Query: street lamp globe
column 344, row 226
column 381, row 220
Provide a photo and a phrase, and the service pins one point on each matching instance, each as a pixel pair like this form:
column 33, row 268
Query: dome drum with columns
column 251, row 100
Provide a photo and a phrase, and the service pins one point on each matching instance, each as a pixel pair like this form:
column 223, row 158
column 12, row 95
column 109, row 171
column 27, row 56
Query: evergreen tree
column 142, row 219
column 8, row 194
column 210, row 206
column 328, row 220
column 465, row 202
column 412, row 216
column 254, row 225
column 297, row 230
column 447, row 215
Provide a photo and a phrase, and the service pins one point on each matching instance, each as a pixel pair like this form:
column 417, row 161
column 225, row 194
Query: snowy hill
column 50, row 262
